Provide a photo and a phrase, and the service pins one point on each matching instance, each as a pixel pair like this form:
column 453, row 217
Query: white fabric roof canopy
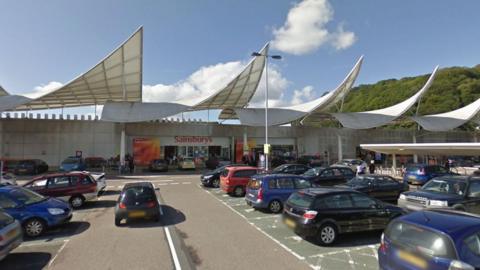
column 438, row 149
column 120, row 71
column 449, row 120
column 376, row 118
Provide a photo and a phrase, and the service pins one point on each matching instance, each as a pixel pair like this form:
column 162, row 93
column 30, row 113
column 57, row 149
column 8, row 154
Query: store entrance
column 170, row 152
column 215, row 151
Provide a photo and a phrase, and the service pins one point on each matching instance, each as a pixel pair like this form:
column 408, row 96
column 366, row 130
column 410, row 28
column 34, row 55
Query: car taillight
column 122, row 205
column 227, row 181
column 310, row 214
column 421, row 171
column 260, row 194
column 383, row 246
column 151, row 204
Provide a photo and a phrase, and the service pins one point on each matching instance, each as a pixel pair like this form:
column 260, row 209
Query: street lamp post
column 278, row 57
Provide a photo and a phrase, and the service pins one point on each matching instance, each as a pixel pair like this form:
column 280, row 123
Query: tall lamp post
column 266, row 146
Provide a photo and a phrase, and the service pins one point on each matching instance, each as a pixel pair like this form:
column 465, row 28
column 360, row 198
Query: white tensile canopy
column 118, row 77
column 3, row 92
column 449, row 120
column 376, row 118
column 435, row 149
column 307, row 111
column 127, row 112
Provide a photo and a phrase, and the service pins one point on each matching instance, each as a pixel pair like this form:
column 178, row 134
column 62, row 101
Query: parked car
column 234, row 180
column 324, row 213
column 436, row 240
column 329, row 176
column 419, row 174
column 95, row 163
column 186, row 164
column 137, row 200
column 73, row 164
column 456, row 192
column 351, row 163
column 9, row 165
column 311, row 160
column 10, row 234
column 34, row 212
column 212, row 178
column 291, row 169
column 158, row 165
column 73, row 187
column 272, row 190
column 382, row 187
column 8, row 178
column 31, row 167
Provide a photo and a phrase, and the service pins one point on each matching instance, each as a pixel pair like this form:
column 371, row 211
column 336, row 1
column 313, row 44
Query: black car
column 31, row 167
column 160, row 165
column 137, row 200
column 382, row 187
column 329, row 176
column 291, row 169
column 454, row 192
column 212, row 178
column 324, row 213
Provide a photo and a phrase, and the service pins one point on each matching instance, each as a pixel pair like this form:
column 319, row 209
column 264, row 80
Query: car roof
column 238, row 168
column 327, row 190
column 138, row 184
column 454, row 223
column 463, row 178
column 272, row 175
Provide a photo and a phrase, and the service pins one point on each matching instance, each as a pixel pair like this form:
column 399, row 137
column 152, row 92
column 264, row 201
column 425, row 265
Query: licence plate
column 412, row 259
column 136, row 214
column 290, row 223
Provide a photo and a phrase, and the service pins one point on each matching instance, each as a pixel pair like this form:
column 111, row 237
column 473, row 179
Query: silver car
column 10, row 234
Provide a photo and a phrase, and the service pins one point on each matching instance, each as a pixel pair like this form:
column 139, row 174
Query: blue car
column 271, row 191
column 434, row 240
column 419, row 174
column 35, row 212
column 73, row 164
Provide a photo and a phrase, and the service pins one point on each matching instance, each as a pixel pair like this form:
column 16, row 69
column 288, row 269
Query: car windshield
column 445, row 186
column 413, row 168
column 312, row 172
column 280, row 168
column 361, row 180
column 473, row 243
column 301, row 199
column 254, row 184
column 138, row 194
column 420, row 240
column 71, row 161
column 26, row 196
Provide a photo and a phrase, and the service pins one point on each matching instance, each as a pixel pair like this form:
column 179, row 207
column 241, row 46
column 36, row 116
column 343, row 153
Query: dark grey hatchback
column 137, row 200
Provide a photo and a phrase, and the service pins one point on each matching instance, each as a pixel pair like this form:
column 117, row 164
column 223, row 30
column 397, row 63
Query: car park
column 382, row 187
column 73, row 187
column 351, row 163
column 324, row 213
column 137, row 200
column 30, row 167
column 159, row 165
column 272, row 190
column 456, row 192
column 448, row 240
column 212, row 178
column 419, row 174
column 291, row 169
column 234, row 180
column 35, row 212
column 186, row 164
column 11, row 235
column 329, row 176
column 73, row 164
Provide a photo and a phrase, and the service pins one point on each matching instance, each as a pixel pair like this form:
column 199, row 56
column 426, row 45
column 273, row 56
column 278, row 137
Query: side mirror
column 157, row 188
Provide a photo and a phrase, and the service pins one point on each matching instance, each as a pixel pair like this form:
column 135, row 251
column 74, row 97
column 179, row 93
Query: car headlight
column 207, row 176
column 403, row 197
column 437, row 203
column 55, row 211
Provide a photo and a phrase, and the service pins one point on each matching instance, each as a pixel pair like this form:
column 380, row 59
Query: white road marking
column 43, row 243
column 174, row 183
column 58, row 252
column 224, row 195
column 172, row 249
column 162, row 184
column 186, row 183
column 249, row 210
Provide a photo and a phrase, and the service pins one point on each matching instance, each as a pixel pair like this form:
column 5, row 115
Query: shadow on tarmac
column 98, row 204
column 26, row 261
column 354, row 239
column 65, row 230
column 171, row 216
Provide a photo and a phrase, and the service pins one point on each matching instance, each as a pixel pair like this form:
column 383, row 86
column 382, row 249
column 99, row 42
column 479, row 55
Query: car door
column 472, row 198
column 39, row 186
column 338, row 207
column 59, row 186
column 289, row 170
column 326, row 178
column 12, row 207
column 386, row 188
column 368, row 216
column 347, row 174
column 285, row 188
column 300, row 169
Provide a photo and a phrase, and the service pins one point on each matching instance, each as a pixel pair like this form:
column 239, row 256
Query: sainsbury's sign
column 193, row 139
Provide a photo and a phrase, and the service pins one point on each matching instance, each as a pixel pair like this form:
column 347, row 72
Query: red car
column 73, row 187
column 234, row 180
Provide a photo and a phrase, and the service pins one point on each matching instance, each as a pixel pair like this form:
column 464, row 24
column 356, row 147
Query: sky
column 193, row 47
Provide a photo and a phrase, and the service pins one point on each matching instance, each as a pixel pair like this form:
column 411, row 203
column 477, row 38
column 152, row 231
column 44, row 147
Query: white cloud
column 304, row 95
column 277, row 85
column 305, row 29
column 43, row 89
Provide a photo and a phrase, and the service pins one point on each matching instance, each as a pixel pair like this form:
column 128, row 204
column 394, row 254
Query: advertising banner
column 145, row 149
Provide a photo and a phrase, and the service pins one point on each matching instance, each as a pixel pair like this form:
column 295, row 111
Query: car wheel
column 34, row 227
column 216, row 183
column 327, row 234
column 275, row 206
column 117, row 221
column 238, row 191
column 77, row 201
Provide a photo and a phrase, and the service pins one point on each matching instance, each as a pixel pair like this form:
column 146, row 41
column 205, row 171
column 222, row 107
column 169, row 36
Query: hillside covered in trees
column 452, row 88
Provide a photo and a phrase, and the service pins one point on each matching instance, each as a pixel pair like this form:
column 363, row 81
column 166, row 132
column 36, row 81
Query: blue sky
column 47, row 41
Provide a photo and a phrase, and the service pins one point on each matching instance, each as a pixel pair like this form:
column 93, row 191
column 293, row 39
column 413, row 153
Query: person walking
column 131, row 165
